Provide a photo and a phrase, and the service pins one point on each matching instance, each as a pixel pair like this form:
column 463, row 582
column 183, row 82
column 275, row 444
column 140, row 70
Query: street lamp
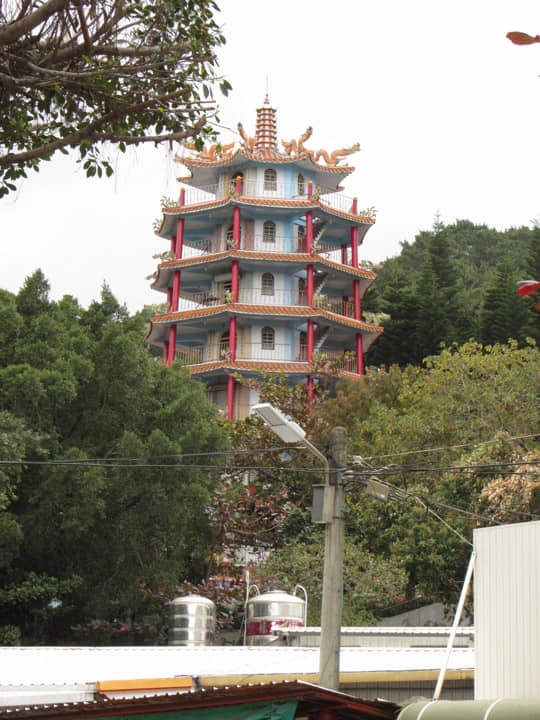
column 332, row 586
column 289, row 432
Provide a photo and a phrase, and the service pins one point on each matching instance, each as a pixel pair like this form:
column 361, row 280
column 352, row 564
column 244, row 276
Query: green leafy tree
column 85, row 533
column 118, row 71
column 409, row 424
column 370, row 582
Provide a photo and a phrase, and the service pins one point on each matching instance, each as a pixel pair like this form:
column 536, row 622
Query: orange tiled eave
column 271, row 310
column 264, row 202
column 264, row 155
column 257, row 365
column 249, row 254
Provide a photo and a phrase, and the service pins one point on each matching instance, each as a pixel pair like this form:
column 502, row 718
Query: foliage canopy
column 86, row 527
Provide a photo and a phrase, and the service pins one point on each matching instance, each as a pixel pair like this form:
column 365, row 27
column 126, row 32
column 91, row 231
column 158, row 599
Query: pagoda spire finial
column 266, row 128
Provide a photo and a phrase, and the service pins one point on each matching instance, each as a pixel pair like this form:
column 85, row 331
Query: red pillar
column 166, row 351
column 310, row 190
column 354, row 247
column 359, row 354
column 236, row 228
column 182, row 196
column 346, row 305
column 230, row 398
column 232, row 337
column 175, row 291
column 239, row 185
column 234, row 282
column 310, row 386
column 354, row 236
column 172, row 345
column 179, row 245
column 310, row 340
column 173, row 243
column 309, row 285
column 357, row 304
column 344, row 257
column 309, row 231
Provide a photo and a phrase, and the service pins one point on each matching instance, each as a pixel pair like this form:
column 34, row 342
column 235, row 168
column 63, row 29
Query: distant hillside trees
column 453, row 284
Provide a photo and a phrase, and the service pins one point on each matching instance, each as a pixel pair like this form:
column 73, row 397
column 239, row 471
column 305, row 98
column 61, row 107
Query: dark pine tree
column 503, row 315
column 431, row 327
column 396, row 345
column 533, row 273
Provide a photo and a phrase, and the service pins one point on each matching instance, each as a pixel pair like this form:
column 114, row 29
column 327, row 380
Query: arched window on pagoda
column 267, row 338
column 229, row 237
column 301, row 238
column 267, row 284
column 301, row 185
column 302, row 291
column 269, row 231
column 232, row 182
column 302, row 355
column 224, row 346
column 270, row 180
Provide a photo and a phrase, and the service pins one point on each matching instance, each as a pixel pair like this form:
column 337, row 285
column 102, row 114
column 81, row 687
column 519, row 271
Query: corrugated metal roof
column 311, row 700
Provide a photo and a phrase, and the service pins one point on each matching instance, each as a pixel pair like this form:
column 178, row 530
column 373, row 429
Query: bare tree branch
column 13, row 31
column 84, row 73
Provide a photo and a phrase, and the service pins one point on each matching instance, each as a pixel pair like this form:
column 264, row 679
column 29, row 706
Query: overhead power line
column 473, row 443
column 397, row 493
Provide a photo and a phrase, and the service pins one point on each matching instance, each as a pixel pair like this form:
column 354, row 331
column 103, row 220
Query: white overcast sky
column 445, row 108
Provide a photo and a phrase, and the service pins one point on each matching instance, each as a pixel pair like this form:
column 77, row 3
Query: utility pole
column 332, row 590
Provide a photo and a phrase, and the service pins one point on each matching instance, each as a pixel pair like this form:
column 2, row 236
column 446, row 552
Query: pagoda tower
column 262, row 271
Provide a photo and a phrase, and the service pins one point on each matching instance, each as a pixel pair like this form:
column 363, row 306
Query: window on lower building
column 301, row 185
column 267, row 338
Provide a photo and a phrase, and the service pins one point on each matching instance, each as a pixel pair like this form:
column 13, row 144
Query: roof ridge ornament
column 296, row 147
column 333, row 158
column 249, row 142
column 210, row 152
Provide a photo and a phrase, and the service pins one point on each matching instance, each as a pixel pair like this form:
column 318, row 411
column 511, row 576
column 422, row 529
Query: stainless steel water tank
column 271, row 611
column 192, row 621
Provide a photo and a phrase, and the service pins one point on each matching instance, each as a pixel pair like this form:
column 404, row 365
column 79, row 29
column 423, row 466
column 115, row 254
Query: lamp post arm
column 321, row 457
